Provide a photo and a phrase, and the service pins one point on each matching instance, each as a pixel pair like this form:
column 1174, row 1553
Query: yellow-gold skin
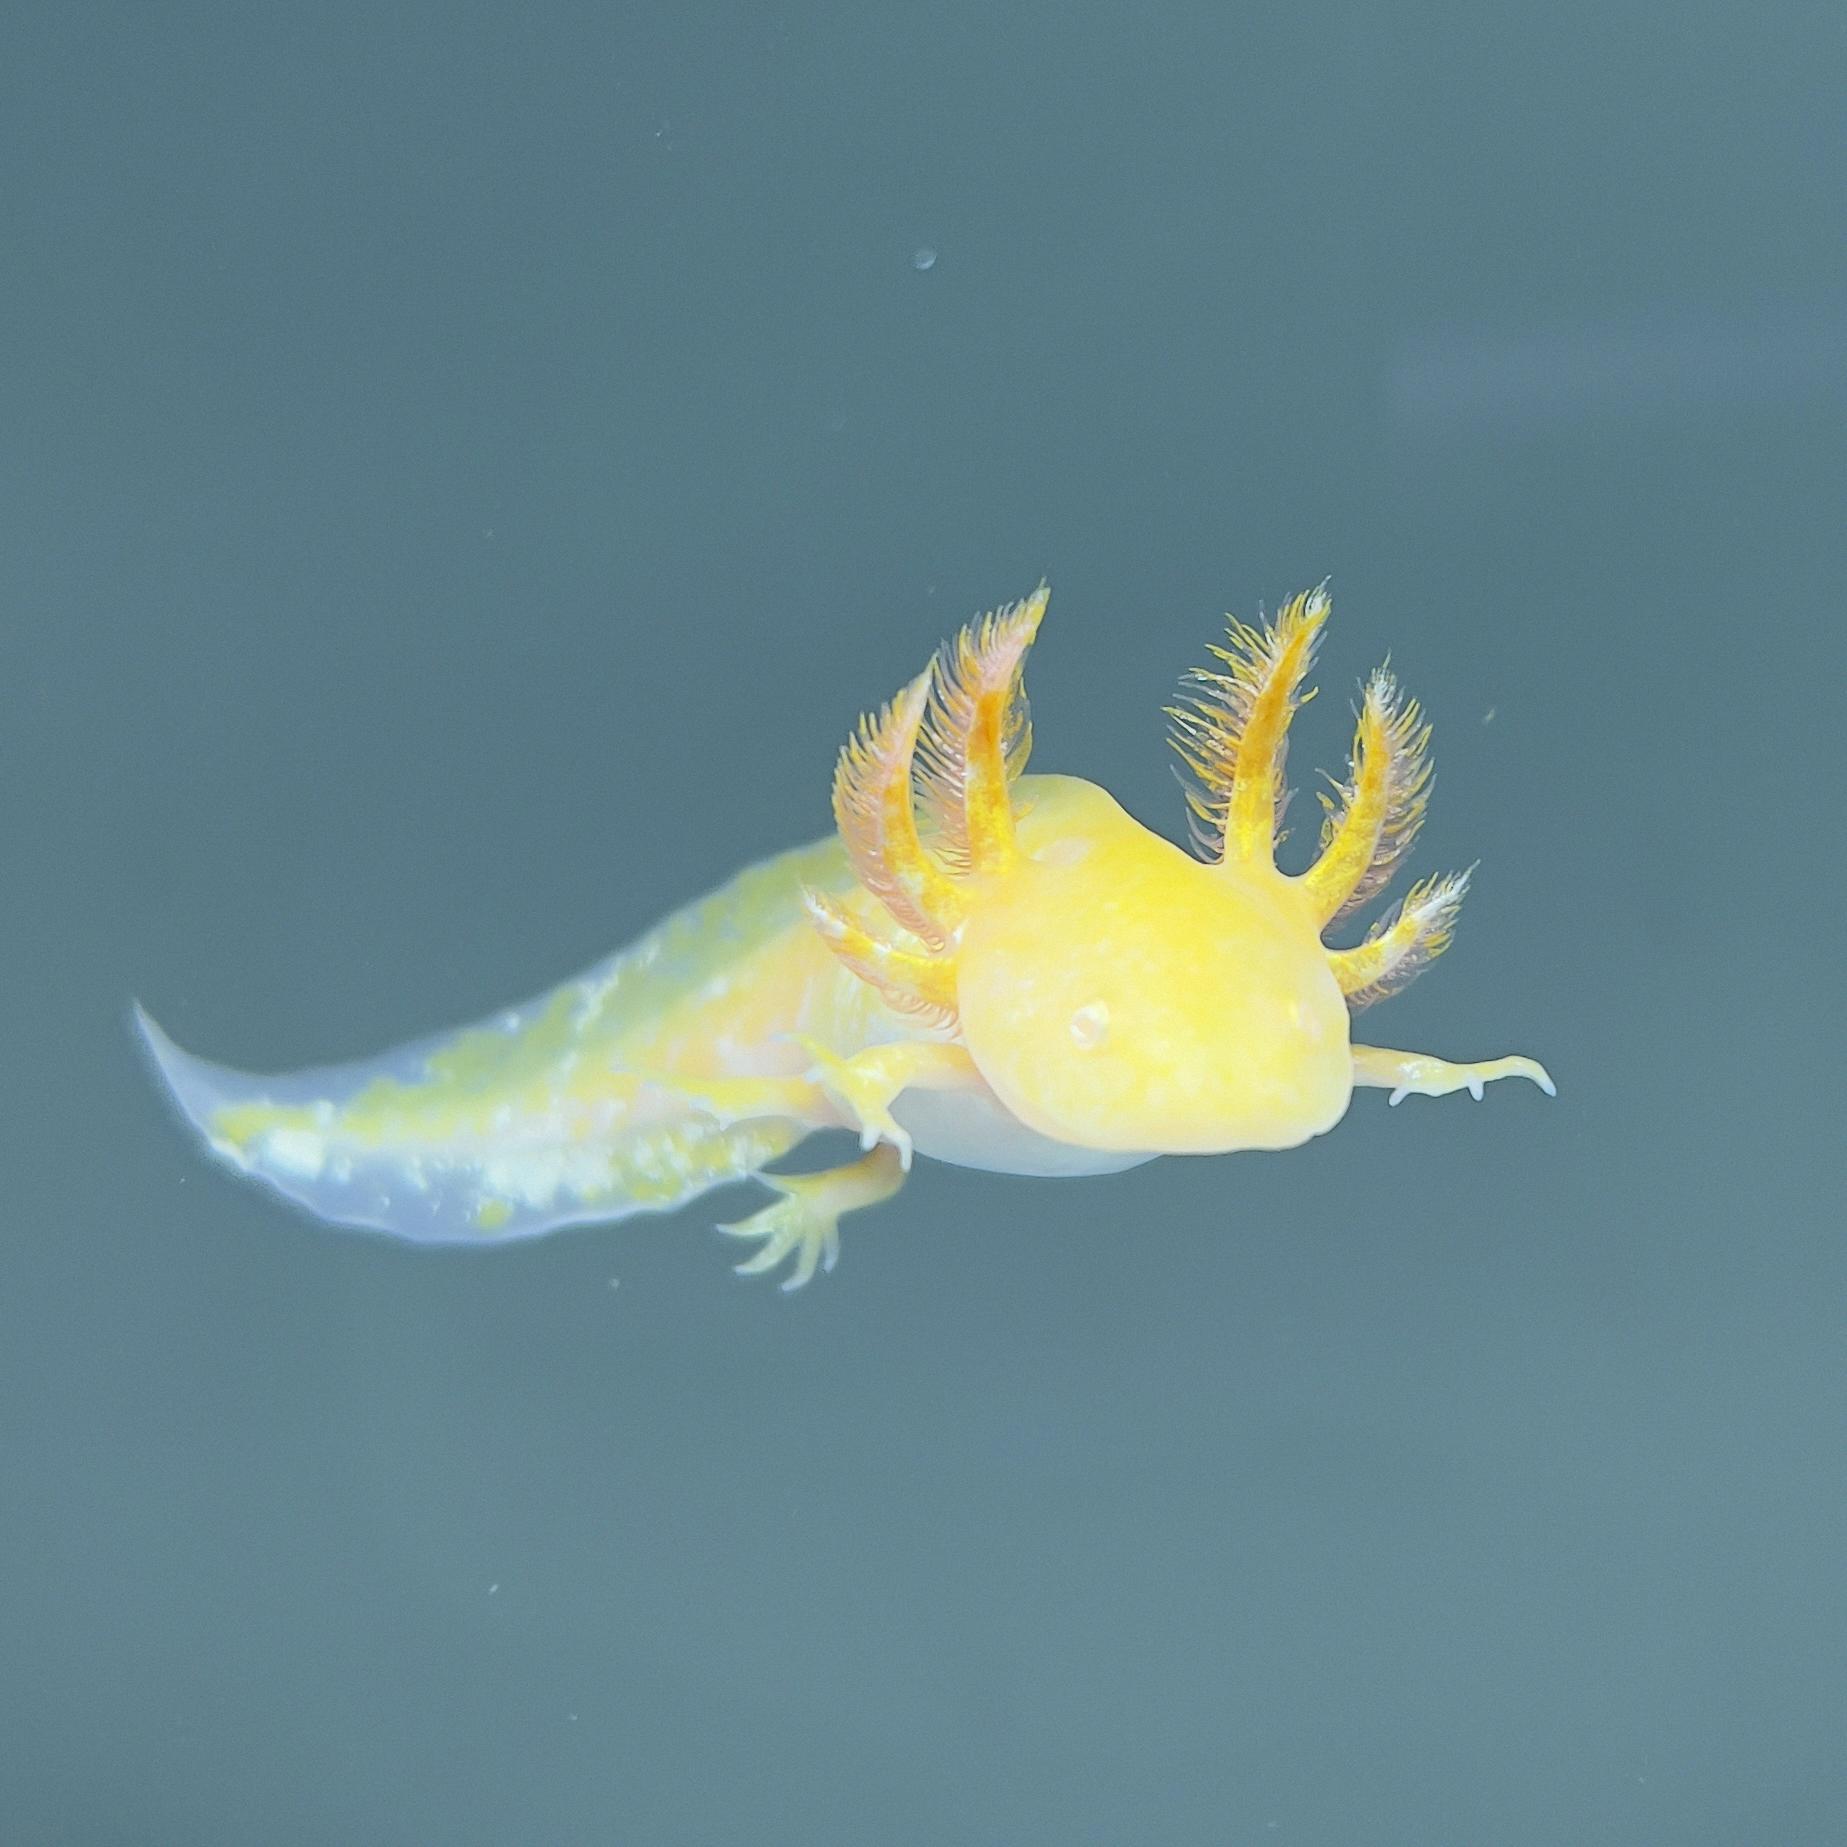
column 1116, row 993
column 999, row 970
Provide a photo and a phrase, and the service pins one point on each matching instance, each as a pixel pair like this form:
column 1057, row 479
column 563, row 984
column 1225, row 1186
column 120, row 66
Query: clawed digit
column 790, row 1226
column 805, row 1222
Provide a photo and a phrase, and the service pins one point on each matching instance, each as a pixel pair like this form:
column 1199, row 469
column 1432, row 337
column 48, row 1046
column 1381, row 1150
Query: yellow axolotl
column 999, row 970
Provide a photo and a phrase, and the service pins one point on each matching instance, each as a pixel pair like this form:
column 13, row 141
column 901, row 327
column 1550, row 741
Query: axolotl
column 1001, row 970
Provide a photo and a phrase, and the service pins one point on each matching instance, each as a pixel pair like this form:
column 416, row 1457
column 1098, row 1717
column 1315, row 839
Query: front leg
column 867, row 1084
column 1403, row 1073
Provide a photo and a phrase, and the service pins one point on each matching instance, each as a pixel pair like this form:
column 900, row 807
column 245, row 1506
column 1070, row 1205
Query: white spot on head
column 1090, row 1025
column 1305, row 1020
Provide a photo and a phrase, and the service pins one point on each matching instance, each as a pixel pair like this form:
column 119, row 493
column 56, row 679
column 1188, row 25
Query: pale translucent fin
column 439, row 1142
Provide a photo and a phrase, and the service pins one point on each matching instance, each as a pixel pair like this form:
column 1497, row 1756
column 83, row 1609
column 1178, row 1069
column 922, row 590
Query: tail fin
column 471, row 1137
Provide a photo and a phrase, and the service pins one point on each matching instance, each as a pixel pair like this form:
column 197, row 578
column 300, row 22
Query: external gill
column 1403, row 943
column 878, row 821
column 957, row 736
column 920, row 985
column 1370, row 822
column 1231, row 730
column 977, row 735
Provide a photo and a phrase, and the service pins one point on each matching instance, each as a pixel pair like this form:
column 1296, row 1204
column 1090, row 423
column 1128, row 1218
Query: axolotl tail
column 473, row 1137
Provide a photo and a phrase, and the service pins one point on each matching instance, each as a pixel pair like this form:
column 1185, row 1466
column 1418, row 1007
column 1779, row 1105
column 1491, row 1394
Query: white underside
column 972, row 1128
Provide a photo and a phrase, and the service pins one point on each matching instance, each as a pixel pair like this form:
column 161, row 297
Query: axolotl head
column 1118, row 994
column 1113, row 991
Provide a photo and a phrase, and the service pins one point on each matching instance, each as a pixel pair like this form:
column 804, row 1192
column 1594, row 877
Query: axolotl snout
column 996, row 969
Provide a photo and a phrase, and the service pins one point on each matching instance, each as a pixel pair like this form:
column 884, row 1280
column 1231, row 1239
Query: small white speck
column 1487, row 718
column 615, row 1282
column 493, row 1590
column 923, row 258
column 296, row 1151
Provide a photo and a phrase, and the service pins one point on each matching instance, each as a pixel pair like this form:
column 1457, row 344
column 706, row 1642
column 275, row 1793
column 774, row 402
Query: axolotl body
column 996, row 969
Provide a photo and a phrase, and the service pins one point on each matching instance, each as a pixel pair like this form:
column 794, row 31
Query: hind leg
column 805, row 1221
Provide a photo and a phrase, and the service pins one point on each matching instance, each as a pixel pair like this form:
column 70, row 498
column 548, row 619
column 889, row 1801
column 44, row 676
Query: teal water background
column 465, row 468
